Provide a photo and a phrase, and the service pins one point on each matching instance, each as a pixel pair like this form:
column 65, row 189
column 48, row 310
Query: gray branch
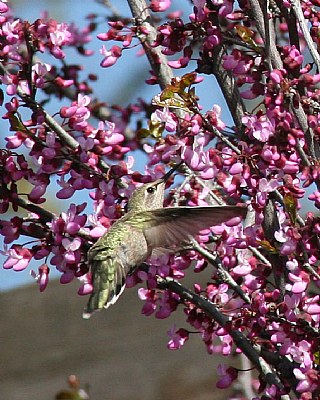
column 157, row 60
column 296, row 6
column 238, row 337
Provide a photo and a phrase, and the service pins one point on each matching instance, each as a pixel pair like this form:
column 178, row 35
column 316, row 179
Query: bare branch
column 227, row 278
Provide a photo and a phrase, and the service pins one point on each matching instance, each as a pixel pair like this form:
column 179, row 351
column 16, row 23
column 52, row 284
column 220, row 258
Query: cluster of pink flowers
column 265, row 274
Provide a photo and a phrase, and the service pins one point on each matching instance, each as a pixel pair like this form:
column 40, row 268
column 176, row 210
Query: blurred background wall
column 120, row 353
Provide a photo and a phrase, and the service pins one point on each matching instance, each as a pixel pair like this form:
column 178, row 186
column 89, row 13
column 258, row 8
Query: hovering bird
column 147, row 226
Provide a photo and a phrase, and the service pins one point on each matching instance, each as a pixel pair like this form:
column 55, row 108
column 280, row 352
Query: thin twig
column 209, row 127
column 264, row 4
column 65, row 137
column 226, row 275
column 311, row 270
column 296, row 7
column 46, row 216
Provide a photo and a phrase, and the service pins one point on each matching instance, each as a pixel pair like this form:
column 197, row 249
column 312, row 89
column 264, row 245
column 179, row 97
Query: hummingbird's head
column 150, row 195
column 147, row 197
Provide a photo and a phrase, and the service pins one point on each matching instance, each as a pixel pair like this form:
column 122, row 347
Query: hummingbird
column 146, row 227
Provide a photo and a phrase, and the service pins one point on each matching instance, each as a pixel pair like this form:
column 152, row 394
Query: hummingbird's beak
column 170, row 172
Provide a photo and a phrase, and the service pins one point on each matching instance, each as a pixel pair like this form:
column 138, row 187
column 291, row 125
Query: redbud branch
column 259, row 17
column 260, row 256
column 30, row 53
column 270, row 225
column 227, row 85
column 238, row 42
column 266, row 22
column 223, row 138
column 227, row 278
column 157, row 60
column 65, row 137
column 303, row 155
column 239, row 338
column 296, row 6
column 45, row 217
column 277, row 64
column 291, row 22
column 176, row 195
column 313, row 146
column 218, row 201
column 36, row 233
column 311, row 270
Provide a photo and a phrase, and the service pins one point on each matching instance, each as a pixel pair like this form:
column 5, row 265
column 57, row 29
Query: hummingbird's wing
column 165, row 227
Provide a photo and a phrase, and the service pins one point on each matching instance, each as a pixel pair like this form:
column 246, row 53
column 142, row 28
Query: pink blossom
column 110, row 56
column 300, row 281
column 18, row 258
column 159, row 5
column 177, row 338
column 300, row 354
column 150, row 298
column 11, row 31
column 244, row 267
column 61, row 35
column 218, row 294
column 199, row 161
column 265, row 187
column 227, row 376
column 307, row 380
column 87, row 286
column 39, row 71
column 312, row 306
column 259, row 128
column 3, row 7
column 78, row 113
column 294, row 59
column 71, row 255
column 181, row 63
column 276, row 76
column 164, row 116
column 42, row 277
column 315, row 196
column 74, row 221
column 67, row 277
column 10, row 229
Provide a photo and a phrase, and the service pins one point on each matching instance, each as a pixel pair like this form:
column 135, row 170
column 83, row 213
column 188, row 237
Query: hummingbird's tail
column 108, row 279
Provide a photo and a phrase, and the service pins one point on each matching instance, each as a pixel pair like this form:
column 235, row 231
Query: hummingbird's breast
column 122, row 242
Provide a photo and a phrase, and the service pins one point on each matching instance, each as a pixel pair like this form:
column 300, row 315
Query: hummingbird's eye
column 151, row 189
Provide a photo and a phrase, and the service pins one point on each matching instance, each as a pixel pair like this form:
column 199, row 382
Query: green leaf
column 290, row 203
column 16, row 124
